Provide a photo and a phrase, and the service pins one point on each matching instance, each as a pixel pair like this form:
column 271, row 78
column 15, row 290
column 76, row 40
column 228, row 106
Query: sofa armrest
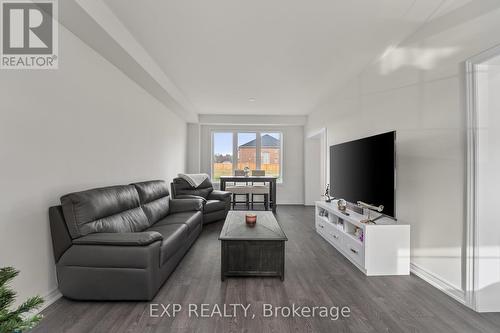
column 185, row 205
column 111, row 256
column 219, row 195
column 191, row 196
column 61, row 239
column 120, row 238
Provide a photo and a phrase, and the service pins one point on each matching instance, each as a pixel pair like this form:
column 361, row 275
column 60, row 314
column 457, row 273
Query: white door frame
column 471, row 236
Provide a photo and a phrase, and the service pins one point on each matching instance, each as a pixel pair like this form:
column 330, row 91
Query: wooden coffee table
column 252, row 251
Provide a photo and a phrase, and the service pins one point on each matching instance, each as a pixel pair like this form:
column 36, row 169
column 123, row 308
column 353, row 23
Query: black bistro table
column 257, row 179
column 257, row 250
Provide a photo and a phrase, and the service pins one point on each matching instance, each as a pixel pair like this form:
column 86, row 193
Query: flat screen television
column 365, row 170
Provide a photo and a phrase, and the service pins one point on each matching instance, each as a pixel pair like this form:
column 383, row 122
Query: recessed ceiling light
column 251, row 99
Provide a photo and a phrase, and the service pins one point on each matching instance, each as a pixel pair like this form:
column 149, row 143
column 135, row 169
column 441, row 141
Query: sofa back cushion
column 154, row 198
column 182, row 187
column 107, row 209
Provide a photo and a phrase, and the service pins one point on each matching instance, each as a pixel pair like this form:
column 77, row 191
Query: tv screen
column 364, row 170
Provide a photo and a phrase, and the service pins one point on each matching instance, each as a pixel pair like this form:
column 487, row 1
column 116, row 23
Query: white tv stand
column 384, row 248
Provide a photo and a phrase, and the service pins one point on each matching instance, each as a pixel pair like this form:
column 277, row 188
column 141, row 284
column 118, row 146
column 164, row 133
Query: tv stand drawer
column 354, row 250
column 333, row 234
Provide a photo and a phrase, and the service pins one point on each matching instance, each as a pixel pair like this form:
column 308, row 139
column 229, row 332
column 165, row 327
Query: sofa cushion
column 186, row 205
column 174, row 237
column 214, row 205
column 191, row 219
column 107, row 209
column 154, row 198
column 183, row 187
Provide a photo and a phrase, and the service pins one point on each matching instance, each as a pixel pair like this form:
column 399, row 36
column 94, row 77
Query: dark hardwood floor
column 315, row 275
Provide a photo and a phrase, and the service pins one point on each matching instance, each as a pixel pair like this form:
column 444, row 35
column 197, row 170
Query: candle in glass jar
column 251, row 219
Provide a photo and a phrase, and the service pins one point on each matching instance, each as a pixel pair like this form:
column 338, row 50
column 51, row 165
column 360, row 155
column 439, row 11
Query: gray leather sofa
column 121, row 242
column 216, row 203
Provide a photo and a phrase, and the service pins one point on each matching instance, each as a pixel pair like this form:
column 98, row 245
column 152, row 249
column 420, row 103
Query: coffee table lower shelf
column 252, row 258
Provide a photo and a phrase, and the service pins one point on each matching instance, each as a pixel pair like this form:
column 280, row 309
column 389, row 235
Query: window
column 271, row 153
column 247, row 151
column 255, row 150
column 222, row 155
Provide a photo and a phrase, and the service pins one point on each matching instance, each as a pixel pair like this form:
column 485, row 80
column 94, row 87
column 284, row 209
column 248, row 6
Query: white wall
column 291, row 191
column 81, row 126
column 193, row 148
column 247, row 119
column 417, row 89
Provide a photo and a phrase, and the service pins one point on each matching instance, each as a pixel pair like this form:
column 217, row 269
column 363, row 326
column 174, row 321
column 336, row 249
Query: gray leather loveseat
column 216, row 203
column 121, row 242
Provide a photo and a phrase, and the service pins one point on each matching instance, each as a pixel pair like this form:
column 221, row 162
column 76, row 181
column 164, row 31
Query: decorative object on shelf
column 327, row 196
column 247, row 171
column 355, row 208
column 251, row 219
column 358, row 232
column 17, row 320
column 342, row 205
column 372, row 207
column 369, row 208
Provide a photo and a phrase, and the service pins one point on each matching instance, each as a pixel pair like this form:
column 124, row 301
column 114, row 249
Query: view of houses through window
column 247, row 151
column 237, row 150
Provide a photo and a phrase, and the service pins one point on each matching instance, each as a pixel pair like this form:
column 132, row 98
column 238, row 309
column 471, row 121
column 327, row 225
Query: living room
column 176, row 166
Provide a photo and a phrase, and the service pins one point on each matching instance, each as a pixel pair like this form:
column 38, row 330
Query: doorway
column 315, row 160
column 483, row 181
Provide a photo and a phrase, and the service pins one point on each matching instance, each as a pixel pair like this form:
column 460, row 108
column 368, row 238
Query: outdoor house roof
column 266, row 141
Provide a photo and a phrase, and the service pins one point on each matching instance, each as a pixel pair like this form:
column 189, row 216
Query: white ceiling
column 286, row 54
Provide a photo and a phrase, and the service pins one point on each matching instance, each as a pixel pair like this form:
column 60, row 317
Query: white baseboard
column 50, row 298
column 486, row 309
column 445, row 287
